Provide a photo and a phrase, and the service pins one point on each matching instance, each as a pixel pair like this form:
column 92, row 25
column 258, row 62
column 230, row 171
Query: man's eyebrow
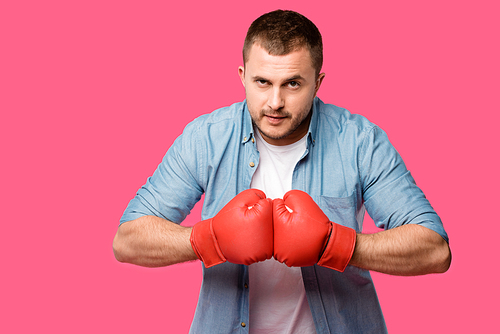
column 292, row 78
column 295, row 77
column 258, row 77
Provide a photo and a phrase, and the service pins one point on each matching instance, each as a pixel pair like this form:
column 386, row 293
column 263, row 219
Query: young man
column 286, row 180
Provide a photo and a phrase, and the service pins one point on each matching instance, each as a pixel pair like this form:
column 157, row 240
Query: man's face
column 280, row 92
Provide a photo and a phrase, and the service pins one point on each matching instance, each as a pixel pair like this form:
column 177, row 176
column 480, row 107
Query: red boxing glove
column 241, row 233
column 306, row 236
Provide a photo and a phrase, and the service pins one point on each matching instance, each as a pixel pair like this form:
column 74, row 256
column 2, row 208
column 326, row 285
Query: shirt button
column 245, row 139
column 252, row 164
column 243, row 324
column 246, row 286
column 253, row 141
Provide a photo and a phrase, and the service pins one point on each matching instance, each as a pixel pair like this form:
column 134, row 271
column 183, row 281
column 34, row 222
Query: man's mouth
column 274, row 119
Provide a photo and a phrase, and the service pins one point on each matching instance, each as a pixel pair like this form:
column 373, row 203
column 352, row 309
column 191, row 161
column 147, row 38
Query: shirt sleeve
column 391, row 195
column 174, row 188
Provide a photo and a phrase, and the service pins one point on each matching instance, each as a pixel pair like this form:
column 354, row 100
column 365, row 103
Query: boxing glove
column 241, row 232
column 306, row 236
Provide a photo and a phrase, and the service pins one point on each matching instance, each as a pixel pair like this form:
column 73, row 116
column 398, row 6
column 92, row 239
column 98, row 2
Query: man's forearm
column 406, row 251
column 151, row 241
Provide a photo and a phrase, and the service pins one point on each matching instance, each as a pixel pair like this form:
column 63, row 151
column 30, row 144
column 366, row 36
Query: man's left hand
column 305, row 236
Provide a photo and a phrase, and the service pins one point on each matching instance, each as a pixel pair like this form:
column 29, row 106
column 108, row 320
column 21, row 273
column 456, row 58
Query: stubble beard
column 304, row 117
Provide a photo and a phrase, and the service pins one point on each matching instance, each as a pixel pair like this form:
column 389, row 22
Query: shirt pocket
column 343, row 210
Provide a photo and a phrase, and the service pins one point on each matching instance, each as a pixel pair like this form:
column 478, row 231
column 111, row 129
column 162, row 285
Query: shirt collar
column 247, row 133
column 313, row 125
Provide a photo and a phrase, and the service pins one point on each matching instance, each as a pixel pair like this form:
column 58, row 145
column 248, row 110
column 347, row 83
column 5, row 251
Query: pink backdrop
column 94, row 92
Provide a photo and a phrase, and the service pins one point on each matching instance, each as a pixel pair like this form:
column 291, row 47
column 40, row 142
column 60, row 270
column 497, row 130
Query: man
column 286, row 180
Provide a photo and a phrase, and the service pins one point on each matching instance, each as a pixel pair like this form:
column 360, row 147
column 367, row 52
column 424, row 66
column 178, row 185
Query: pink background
column 94, row 92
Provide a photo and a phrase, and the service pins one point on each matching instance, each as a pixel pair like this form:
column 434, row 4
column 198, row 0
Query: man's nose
column 276, row 101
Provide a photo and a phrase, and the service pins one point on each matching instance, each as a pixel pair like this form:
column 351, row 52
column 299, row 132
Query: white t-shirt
column 278, row 302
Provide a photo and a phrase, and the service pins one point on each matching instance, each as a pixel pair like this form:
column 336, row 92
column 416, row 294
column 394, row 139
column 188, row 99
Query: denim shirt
column 349, row 165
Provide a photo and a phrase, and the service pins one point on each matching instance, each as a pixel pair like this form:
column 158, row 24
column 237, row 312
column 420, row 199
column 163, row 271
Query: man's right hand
column 241, row 233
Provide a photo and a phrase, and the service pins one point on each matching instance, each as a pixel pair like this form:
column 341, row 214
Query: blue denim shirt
column 349, row 165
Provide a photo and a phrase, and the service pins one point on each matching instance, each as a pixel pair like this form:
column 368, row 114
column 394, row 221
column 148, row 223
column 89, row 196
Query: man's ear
column 319, row 80
column 241, row 72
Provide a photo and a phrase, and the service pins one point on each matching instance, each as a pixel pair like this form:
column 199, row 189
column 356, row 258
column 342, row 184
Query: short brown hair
column 283, row 31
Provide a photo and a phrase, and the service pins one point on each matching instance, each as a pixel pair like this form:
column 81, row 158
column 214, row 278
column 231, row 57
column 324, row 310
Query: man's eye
column 262, row 82
column 293, row 84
